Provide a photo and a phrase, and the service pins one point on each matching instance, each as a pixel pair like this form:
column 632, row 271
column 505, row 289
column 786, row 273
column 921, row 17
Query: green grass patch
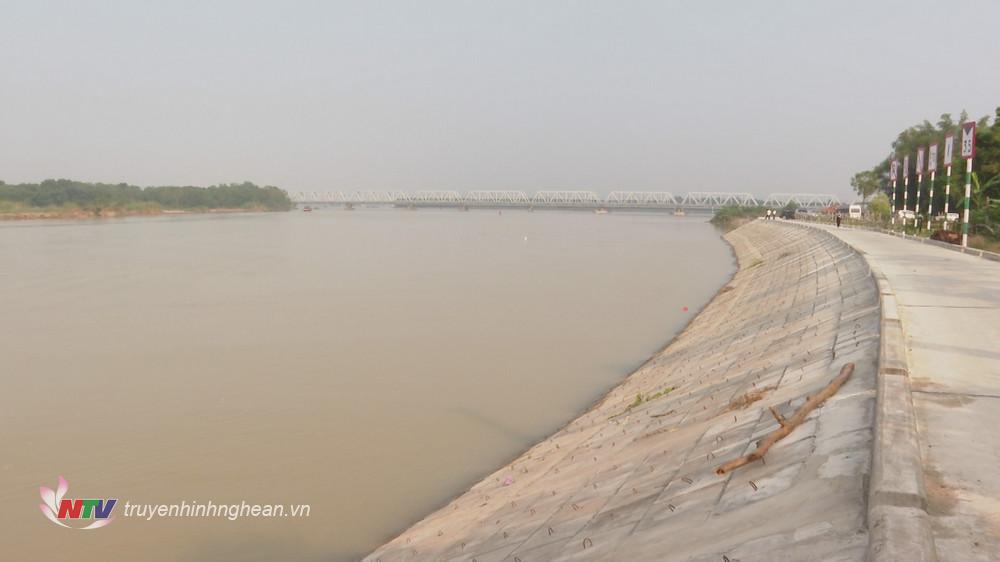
column 641, row 399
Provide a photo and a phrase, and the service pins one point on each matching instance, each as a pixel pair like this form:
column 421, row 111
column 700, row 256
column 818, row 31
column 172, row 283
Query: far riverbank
column 69, row 199
column 81, row 214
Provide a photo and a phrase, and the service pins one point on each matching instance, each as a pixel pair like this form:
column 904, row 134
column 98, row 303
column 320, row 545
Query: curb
column 898, row 524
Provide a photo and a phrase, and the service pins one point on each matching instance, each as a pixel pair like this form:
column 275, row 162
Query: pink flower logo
column 57, row 508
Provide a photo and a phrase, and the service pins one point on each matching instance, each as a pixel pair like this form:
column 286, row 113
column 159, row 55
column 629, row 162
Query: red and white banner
column 920, row 161
column 906, row 167
column 932, row 158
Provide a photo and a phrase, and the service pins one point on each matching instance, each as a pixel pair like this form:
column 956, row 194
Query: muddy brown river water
column 369, row 364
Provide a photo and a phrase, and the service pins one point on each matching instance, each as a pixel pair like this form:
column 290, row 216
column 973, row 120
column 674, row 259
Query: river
column 371, row 364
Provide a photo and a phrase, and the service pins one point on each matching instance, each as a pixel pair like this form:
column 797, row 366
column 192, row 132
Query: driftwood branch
column 777, row 416
column 789, row 425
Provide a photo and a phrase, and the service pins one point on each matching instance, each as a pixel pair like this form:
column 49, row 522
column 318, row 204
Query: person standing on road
column 838, row 220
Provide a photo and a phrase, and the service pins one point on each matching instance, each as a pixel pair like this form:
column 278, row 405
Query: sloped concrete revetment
column 632, row 484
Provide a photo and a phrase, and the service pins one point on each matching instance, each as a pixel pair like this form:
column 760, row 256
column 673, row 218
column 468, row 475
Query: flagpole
column 892, row 214
column 968, row 195
column 920, row 182
column 949, row 152
column 906, row 195
column 947, row 196
column 968, row 152
column 916, row 202
column 893, row 175
column 930, row 201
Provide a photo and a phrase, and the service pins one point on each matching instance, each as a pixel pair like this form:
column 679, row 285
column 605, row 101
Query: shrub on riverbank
column 100, row 198
column 728, row 218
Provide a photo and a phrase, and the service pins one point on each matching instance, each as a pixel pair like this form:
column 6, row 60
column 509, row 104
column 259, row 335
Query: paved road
column 950, row 311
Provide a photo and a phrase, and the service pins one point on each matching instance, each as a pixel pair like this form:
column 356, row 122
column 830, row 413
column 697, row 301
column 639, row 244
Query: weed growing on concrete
column 640, row 399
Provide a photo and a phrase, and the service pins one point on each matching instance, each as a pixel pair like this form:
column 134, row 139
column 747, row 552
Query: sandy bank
column 638, row 483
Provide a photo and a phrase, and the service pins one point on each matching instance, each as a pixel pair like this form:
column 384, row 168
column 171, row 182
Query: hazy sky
column 760, row 96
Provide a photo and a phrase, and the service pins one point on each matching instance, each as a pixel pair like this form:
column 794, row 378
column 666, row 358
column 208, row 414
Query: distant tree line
column 96, row 196
column 985, row 200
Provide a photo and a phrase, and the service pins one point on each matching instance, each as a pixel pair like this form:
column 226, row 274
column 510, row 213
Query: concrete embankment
column 634, row 478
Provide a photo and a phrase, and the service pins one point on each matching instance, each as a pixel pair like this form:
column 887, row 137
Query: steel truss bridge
column 635, row 200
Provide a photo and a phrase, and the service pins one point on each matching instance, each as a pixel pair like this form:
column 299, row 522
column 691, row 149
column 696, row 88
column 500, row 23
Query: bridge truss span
column 374, row 197
column 641, row 200
column 810, row 201
column 716, row 200
column 497, row 199
column 432, row 198
column 585, row 199
column 624, row 200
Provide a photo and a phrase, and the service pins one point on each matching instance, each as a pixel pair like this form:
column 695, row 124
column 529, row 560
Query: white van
column 854, row 211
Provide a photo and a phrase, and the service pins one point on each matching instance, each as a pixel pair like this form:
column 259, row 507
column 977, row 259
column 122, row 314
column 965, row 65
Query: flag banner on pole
column 949, row 149
column 920, row 161
column 969, row 140
column 906, row 167
column 894, row 170
column 932, row 157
